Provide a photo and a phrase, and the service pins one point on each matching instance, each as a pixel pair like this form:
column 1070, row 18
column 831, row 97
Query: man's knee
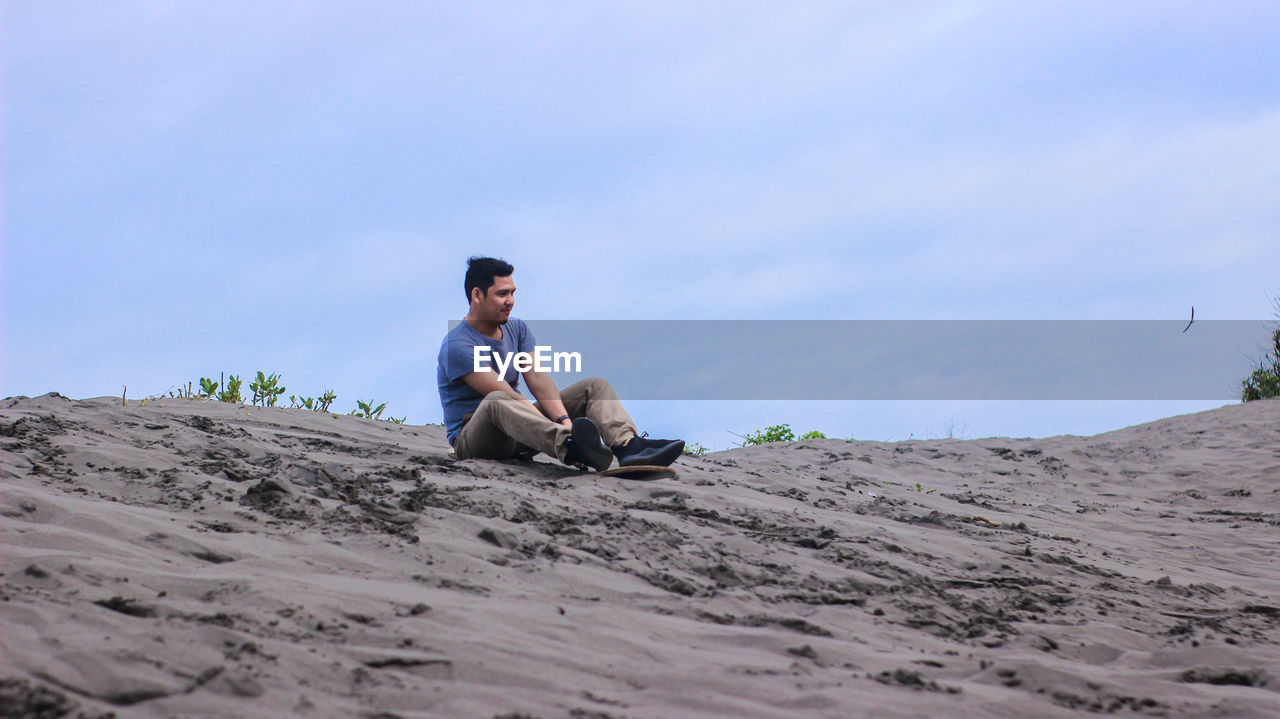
column 496, row 403
column 493, row 397
column 589, row 389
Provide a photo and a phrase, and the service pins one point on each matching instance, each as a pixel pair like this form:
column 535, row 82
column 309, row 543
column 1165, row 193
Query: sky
column 294, row 187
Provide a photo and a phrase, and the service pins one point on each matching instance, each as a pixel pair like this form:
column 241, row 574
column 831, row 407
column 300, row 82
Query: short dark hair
column 482, row 270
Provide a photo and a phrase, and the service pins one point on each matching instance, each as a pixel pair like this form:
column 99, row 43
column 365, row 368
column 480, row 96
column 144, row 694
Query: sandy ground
column 193, row 559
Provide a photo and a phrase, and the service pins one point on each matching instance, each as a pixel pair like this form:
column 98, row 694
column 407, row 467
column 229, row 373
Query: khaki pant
column 503, row 425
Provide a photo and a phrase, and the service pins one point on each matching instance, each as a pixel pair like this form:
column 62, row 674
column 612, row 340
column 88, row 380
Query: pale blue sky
column 191, row 187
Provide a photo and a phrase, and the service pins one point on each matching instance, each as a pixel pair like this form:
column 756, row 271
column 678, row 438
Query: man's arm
column 486, row 382
column 544, row 388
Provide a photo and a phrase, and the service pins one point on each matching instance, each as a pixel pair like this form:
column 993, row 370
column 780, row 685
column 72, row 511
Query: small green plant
column 398, row 420
column 265, row 391
column 1261, row 384
column 232, row 392
column 920, row 488
column 367, row 410
column 1264, row 382
column 776, row 433
column 314, row 404
column 813, row 434
column 695, row 450
column 324, row 400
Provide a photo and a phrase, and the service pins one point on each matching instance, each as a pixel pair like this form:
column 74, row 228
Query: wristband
column 561, row 418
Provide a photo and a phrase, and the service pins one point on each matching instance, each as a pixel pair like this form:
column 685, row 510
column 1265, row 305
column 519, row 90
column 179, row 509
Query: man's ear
column 477, row 295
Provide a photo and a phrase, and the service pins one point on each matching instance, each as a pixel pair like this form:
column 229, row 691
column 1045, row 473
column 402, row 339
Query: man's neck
column 488, row 328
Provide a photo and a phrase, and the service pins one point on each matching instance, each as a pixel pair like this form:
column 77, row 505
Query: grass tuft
column 267, row 390
column 695, row 449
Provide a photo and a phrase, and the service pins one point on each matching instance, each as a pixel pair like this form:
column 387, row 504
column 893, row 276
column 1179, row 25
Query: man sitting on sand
column 486, row 417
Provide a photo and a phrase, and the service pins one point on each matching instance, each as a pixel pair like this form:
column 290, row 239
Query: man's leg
column 594, row 398
column 501, row 423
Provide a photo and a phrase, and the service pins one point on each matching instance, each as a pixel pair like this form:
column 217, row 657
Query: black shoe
column 584, row 446
column 642, row 450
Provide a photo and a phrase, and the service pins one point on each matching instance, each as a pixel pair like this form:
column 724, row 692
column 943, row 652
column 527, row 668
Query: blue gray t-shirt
column 457, row 359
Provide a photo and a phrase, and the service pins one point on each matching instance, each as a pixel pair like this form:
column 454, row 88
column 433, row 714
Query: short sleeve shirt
column 457, row 359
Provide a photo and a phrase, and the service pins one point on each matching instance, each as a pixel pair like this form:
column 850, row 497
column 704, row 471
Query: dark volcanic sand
column 189, row 558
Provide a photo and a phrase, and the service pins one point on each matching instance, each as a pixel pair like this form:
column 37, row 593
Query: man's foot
column 642, row 450
column 584, row 446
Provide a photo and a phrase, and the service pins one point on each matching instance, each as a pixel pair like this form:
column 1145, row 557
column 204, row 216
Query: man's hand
column 544, row 388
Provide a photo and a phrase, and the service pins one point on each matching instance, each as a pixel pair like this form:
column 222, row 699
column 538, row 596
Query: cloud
column 1128, row 204
column 178, row 171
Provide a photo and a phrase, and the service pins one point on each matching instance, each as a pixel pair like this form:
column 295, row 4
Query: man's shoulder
column 461, row 332
column 457, row 340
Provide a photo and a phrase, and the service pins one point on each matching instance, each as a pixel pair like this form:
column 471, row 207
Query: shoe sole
column 586, row 442
column 662, row 457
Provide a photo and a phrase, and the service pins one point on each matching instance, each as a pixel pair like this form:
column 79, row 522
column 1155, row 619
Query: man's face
column 495, row 306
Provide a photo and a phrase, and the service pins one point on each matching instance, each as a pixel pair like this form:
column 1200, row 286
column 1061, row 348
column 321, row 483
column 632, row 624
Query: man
column 486, row 416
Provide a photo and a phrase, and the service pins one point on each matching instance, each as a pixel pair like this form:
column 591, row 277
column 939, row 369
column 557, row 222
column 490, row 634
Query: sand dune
column 193, row 559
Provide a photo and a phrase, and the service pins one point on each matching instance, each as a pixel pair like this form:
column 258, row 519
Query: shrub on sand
column 776, row 433
column 1264, row 382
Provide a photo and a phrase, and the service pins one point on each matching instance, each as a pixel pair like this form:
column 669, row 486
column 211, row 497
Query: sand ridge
column 188, row 558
